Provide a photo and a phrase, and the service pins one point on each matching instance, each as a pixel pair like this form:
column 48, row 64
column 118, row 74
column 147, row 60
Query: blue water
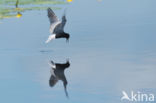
column 111, row 49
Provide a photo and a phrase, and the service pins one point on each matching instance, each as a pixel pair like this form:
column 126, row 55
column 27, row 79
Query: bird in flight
column 56, row 27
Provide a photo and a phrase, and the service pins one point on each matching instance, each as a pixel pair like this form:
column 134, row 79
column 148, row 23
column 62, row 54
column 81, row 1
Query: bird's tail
column 51, row 37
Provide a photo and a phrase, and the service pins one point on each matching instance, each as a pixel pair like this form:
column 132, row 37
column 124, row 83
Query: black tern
column 57, row 73
column 56, row 26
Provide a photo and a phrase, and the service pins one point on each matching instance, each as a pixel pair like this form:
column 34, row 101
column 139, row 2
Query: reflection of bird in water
column 56, row 26
column 57, row 73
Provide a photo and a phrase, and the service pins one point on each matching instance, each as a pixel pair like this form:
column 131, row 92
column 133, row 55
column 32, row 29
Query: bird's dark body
column 62, row 35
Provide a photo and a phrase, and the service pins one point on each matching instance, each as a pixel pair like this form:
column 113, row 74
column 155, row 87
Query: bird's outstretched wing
column 64, row 20
column 60, row 27
column 52, row 17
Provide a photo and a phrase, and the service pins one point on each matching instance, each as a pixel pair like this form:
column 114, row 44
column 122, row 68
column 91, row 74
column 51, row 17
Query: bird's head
column 67, row 37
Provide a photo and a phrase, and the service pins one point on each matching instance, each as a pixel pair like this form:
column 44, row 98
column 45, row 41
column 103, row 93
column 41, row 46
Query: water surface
column 111, row 49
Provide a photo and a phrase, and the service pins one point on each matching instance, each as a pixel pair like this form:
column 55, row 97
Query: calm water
column 111, row 49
